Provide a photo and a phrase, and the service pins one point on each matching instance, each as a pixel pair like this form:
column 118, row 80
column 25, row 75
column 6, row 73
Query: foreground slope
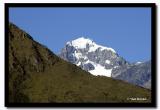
column 38, row 75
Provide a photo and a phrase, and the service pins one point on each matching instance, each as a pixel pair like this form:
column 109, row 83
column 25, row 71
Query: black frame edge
column 153, row 104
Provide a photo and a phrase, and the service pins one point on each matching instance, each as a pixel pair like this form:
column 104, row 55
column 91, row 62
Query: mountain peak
column 82, row 38
column 83, row 42
column 80, row 42
column 92, row 57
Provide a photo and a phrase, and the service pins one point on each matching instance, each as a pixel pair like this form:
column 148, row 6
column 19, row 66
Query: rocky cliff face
column 104, row 61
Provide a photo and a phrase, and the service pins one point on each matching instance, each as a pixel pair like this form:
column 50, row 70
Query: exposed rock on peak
column 94, row 58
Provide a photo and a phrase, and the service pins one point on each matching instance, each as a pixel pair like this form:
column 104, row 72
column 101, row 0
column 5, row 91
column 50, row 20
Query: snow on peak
column 82, row 39
column 82, row 42
column 99, row 70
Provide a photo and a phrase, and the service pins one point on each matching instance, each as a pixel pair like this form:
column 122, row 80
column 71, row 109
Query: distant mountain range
column 105, row 61
column 36, row 75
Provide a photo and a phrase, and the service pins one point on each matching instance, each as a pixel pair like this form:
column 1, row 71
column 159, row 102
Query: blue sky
column 127, row 30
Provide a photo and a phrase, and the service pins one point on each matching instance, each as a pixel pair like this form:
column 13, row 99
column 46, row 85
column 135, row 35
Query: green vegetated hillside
column 38, row 75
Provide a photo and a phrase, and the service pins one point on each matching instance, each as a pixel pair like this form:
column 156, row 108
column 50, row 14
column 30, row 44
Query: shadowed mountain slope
column 38, row 75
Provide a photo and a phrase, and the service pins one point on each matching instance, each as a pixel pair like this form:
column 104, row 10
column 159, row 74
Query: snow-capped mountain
column 94, row 58
column 105, row 61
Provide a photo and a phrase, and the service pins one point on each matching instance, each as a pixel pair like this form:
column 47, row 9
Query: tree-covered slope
column 38, row 75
